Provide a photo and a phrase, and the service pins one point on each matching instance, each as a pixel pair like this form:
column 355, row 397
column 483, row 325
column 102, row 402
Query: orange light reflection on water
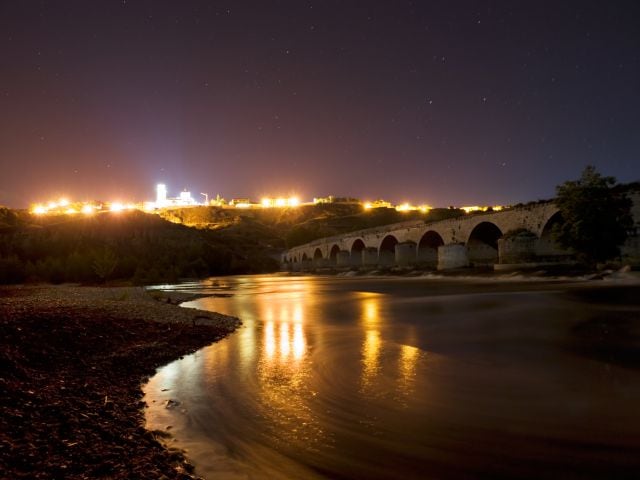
column 372, row 344
column 269, row 339
column 409, row 357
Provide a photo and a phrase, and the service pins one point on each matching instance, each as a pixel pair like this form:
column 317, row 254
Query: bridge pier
column 321, row 262
column 343, row 258
column 370, row 257
column 386, row 258
column 482, row 254
column 428, row 257
column 452, row 256
column 405, row 254
column 520, row 248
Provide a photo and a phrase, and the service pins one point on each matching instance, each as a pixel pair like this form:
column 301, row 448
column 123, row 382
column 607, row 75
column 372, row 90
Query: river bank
column 73, row 359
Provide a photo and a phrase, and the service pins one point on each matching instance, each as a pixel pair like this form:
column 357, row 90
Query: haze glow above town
column 418, row 102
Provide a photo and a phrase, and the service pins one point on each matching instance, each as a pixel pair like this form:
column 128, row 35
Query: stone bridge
column 516, row 236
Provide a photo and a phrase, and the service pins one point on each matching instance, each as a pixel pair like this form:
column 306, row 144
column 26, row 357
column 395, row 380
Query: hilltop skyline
column 438, row 104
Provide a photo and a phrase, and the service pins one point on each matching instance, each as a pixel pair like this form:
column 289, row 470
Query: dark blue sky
column 439, row 102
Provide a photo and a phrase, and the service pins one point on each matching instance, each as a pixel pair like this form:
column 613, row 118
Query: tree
column 596, row 217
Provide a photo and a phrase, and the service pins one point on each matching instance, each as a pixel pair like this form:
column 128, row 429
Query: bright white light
column 39, row 210
column 63, row 202
column 186, row 197
column 116, row 207
column 87, row 209
column 161, row 194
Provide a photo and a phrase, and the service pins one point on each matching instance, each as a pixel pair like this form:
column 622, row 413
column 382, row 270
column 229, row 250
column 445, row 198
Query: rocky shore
column 72, row 360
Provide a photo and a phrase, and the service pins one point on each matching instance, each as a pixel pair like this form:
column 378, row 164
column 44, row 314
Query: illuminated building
column 328, row 199
column 377, row 204
column 161, row 195
column 241, row 203
column 162, row 201
column 280, row 202
column 186, row 198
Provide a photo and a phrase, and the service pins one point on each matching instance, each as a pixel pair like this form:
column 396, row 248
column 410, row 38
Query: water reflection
column 283, row 365
column 409, row 357
column 371, row 346
column 326, row 380
column 370, row 360
column 290, row 338
column 376, row 355
column 299, row 343
column 269, row 340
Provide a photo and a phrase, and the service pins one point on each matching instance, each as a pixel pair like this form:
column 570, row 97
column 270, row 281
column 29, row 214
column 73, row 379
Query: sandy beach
column 72, row 362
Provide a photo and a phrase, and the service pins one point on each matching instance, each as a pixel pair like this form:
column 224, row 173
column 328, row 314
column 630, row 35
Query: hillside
column 288, row 227
column 133, row 246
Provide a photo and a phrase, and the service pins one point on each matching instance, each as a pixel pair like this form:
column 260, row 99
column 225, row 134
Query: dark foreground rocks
column 70, row 376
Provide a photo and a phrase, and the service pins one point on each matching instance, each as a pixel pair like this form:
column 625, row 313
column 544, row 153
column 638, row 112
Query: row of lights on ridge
column 65, row 206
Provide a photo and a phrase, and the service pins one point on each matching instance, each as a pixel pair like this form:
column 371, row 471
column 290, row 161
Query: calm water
column 399, row 378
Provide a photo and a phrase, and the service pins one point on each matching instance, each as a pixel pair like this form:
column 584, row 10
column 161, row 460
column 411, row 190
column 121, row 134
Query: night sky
column 447, row 103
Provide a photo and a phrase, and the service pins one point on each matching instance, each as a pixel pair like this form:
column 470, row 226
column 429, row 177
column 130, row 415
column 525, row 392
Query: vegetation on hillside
column 118, row 246
column 289, row 227
column 146, row 248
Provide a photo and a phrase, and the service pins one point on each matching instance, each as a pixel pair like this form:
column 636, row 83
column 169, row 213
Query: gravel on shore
column 72, row 360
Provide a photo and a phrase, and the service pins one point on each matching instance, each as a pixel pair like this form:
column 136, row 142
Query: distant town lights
column 279, row 202
column 66, row 206
column 476, row 208
column 119, row 206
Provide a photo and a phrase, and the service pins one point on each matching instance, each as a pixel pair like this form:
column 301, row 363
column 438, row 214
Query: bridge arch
column 333, row 254
column 304, row 257
column 428, row 248
column 356, row 252
column 547, row 246
column 387, row 250
column 482, row 244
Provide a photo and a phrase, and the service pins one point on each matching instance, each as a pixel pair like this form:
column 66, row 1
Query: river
column 353, row 378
